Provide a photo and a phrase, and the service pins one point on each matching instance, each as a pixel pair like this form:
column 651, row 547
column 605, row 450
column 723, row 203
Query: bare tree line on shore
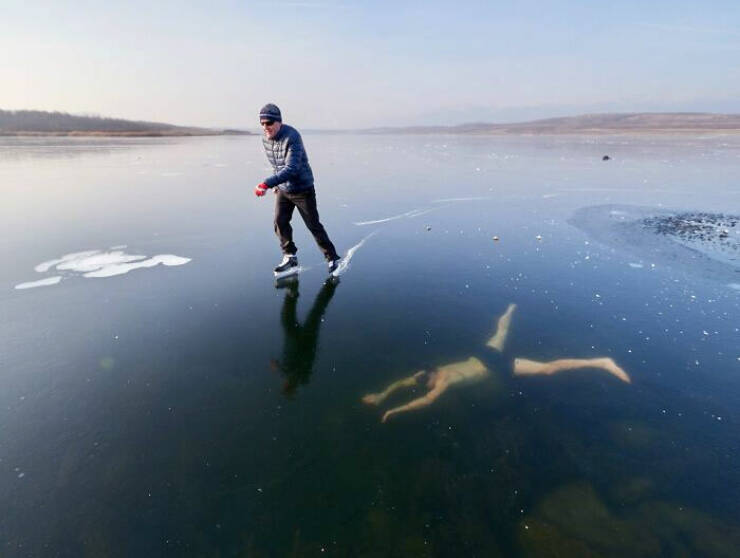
column 42, row 121
column 37, row 122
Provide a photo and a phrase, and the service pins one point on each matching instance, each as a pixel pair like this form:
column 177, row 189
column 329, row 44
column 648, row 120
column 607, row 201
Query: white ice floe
column 635, row 265
column 41, row 283
column 97, row 263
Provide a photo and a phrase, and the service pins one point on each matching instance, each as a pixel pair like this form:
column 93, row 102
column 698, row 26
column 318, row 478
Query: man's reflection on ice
column 300, row 340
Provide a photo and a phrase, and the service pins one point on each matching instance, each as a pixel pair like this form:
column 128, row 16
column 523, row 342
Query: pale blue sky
column 347, row 64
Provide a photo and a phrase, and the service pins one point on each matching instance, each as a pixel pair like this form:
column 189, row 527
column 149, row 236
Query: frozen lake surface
column 161, row 395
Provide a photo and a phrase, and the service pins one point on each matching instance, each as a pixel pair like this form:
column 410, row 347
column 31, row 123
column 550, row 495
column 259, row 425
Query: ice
column 68, row 349
column 41, row 283
column 408, row 215
column 472, row 198
column 113, row 269
column 344, row 263
column 664, row 236
column 290, row 272
column 46, row 266
column 96, row 263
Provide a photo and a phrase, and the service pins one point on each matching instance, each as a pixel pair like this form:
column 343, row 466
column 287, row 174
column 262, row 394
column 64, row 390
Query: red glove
column 260, row 190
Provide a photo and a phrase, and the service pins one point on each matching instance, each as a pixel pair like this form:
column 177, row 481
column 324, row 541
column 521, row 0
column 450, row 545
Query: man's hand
column 260, row 190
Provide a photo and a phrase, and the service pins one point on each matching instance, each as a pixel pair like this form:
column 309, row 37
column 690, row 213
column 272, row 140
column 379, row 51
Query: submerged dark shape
column 692, row 242
column 576, row 521
column 605, row 158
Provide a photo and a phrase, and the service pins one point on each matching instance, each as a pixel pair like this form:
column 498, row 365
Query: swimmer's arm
column 424, row 401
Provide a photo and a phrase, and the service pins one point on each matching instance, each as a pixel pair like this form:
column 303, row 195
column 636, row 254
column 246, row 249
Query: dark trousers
column 306, row 203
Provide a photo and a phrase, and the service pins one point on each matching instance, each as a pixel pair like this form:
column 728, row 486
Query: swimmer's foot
column 613, row 368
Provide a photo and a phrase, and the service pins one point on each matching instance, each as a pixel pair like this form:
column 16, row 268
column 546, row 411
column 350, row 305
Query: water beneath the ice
column 160, row 395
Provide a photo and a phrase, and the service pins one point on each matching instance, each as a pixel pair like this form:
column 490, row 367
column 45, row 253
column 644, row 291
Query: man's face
column 270, row 128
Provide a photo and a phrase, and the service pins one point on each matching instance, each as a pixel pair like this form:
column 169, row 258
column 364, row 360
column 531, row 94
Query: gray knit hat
column 270, row 112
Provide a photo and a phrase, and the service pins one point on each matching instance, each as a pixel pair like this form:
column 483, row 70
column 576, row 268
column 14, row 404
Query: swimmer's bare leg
column 438, row 389
column 502, row 330
column 378, row 398
column 525, row 367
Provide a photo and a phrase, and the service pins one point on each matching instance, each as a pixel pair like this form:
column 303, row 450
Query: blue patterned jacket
column 289, row 161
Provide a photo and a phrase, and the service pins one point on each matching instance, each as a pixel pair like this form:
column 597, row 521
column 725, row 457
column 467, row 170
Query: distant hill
column 663, row 122
column 36, row 122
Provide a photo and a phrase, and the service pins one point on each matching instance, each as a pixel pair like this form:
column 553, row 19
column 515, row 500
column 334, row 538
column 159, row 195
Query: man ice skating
column 295, row 188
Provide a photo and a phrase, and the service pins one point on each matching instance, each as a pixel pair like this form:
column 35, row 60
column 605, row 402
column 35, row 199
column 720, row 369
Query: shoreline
column 130, row 134
column 554, row 132
column 406, row 132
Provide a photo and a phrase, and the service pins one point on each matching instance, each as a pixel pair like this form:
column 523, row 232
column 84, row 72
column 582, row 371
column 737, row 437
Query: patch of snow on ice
column 120, row 268
column 40, row 283
column 96, row 263
column 46, row 266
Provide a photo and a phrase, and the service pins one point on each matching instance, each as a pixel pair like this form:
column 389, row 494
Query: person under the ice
column 294, row 186
column 301, row 340
column 473, row 370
